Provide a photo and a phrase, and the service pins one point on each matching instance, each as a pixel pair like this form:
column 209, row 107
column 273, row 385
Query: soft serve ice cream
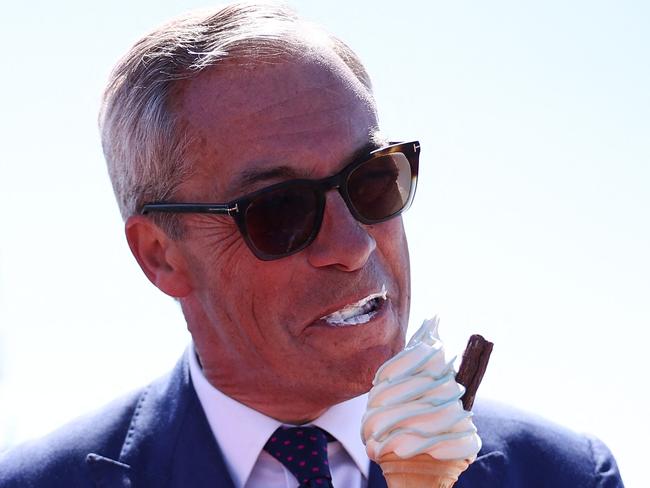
column 414, row 406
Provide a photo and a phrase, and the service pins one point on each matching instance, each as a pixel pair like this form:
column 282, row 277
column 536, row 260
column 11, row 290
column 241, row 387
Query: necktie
column 303, row 451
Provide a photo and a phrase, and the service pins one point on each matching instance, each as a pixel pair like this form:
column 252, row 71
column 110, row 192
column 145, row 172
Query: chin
column 362, row 373
column 353, row 375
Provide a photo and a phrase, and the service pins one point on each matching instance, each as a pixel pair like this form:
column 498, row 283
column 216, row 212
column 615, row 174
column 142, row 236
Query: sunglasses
column 285, row 218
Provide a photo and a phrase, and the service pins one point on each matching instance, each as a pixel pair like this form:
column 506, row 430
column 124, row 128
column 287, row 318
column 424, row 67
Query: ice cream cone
column 421, row 471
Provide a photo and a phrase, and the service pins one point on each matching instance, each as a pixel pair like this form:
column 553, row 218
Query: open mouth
column 359, row 312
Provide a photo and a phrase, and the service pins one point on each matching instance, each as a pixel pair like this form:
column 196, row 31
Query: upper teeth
column 356, row 313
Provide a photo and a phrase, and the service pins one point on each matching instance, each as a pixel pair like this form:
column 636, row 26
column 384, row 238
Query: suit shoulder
column 544, row 453
column 59, row 458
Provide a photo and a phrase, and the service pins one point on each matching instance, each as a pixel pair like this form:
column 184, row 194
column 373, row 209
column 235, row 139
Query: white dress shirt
column 242, row 432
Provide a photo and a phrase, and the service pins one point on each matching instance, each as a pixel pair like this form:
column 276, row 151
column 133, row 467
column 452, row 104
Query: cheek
column 214, row 238
column 391, row 241
column 233, row 285
column 220, row 263
column 393, row 248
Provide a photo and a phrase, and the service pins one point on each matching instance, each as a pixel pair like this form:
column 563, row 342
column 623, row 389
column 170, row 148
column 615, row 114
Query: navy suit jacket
column 160, row 438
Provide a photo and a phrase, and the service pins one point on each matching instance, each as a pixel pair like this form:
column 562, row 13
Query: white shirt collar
column 343, row 421
column 242, row 441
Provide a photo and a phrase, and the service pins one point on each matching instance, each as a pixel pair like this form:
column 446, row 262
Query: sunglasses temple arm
column 224, row 209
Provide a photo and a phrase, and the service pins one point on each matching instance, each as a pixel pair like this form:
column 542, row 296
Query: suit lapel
column 375, row 476
column 169, row 443
column 198, row 461
column 488, row 470
column 108, row 473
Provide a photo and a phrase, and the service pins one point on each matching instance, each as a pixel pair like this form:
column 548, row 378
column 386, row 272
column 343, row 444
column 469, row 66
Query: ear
column 159, row 256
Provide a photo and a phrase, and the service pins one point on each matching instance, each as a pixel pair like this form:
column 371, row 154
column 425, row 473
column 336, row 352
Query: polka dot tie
column 303, row 451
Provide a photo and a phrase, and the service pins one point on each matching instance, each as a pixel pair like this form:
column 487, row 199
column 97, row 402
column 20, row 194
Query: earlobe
column 158, row 256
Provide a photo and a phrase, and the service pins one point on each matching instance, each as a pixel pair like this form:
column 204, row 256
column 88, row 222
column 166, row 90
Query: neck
column 286, row 407
column 279, row 404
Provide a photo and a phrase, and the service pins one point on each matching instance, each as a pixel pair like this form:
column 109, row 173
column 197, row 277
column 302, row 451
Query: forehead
column 309, row 115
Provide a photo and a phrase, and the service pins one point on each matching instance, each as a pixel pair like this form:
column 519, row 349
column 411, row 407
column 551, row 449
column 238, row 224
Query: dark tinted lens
column 282, row 220
column 380, row 187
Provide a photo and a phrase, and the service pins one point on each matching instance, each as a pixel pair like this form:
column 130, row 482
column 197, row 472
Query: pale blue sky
column 530, row 224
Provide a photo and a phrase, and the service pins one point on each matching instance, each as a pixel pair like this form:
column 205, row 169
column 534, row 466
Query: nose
column 342, row 242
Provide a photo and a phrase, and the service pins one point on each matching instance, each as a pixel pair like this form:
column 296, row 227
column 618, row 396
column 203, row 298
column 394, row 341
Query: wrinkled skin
column 255, row 324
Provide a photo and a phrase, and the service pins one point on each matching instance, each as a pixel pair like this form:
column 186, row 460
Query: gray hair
column 143, row 142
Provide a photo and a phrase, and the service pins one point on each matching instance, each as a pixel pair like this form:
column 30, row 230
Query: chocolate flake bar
column 472, row 368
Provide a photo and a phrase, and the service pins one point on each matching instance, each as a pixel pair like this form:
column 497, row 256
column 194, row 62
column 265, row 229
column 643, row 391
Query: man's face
column 256, row 323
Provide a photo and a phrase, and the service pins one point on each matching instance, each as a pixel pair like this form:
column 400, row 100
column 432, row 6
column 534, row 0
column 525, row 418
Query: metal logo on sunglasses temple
column 284, row 218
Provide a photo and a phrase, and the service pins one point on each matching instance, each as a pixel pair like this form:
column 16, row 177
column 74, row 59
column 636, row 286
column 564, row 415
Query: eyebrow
column 252, row 176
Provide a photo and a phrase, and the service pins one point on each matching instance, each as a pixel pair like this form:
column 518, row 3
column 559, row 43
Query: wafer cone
column 421, row 471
